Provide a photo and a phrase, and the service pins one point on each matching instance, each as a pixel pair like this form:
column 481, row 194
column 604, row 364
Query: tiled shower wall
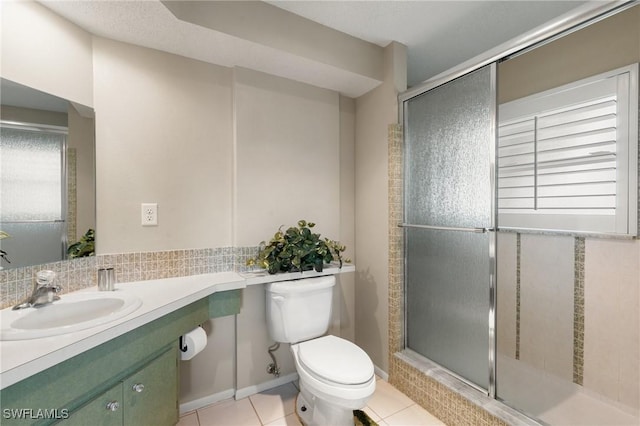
column 568, row 306
column 578, row 301
column 76, row 274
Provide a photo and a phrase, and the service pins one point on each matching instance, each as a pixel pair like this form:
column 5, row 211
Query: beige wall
column 262, row 23
column 46, row 52
column 82, row 138
column 606, row 45
column 228, row 155
column 164, row 135
column 612, row 320
column 546, row 304
column 346, row 287
column 374, row 112
column 27, row 115
column 212, row 371
column 579, row 321
column 287, row 168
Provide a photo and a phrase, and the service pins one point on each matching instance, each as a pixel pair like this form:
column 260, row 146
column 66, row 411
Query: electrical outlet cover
column 149, row 214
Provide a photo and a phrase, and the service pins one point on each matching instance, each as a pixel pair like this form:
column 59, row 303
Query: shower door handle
column 447, row 228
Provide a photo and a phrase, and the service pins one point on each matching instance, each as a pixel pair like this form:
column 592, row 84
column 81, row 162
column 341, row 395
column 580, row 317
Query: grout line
column 382, row 419
column 399, row 411
column 376, row 413
column 254, row 408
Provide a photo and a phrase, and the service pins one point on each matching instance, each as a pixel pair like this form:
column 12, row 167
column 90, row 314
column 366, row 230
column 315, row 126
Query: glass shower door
column 32, row 194
column 449, row 221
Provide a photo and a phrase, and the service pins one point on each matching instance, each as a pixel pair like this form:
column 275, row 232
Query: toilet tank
column 299, row 310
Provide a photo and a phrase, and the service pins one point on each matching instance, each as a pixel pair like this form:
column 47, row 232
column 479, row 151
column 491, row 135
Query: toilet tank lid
column 337, row 360
column 301, row 286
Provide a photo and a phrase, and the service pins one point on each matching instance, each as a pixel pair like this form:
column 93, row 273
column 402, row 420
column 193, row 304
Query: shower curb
column 452, row 389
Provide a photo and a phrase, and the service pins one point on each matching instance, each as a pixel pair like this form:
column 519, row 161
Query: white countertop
column 262, row 277
column 23, row 358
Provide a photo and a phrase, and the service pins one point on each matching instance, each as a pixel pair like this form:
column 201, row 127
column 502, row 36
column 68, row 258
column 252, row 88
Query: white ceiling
column 438, row 34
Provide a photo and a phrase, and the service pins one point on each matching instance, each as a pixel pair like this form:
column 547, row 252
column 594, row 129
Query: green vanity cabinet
column 78, row 391
column 104, row 410
column 150, row 397
column 147, row 397
column 225, row 303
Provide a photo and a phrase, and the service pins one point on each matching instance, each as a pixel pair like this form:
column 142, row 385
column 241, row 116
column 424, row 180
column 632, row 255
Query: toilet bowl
column 335, row 370
column 336, row 376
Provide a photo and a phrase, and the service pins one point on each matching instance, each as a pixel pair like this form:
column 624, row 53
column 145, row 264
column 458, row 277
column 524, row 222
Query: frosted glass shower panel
column 449, row 139
column 449, row 213
column 448, row 300
column 32, row 176
column 32, row 193
column 33, row 243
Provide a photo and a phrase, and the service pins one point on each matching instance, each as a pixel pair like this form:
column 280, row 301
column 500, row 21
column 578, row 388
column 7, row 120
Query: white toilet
column 336, row 376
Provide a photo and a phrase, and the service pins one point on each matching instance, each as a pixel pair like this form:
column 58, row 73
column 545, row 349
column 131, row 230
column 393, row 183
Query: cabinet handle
column 113, row 406
column 138, row 387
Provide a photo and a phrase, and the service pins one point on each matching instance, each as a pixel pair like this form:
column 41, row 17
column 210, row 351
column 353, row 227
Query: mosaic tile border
column 72, row 195
column 396, row 238
column 76, row 274
column 578, row 311
column 447, row 398
column 518, row 293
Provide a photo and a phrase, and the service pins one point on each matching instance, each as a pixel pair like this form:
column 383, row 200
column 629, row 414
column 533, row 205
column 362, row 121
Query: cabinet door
column 105, row 410
column 151, row 394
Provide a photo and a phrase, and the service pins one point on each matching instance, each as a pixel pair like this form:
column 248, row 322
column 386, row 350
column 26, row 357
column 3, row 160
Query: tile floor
column 275, row 407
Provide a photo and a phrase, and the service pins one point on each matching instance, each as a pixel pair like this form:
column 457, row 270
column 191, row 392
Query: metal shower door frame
column 492, row 279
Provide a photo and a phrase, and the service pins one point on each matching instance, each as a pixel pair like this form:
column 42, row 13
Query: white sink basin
column 73, row 312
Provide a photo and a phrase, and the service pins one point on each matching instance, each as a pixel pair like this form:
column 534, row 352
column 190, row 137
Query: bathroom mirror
column 47, row 177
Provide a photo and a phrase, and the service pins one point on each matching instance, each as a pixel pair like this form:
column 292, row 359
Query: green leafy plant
column 84, row 247
column 297, row 249
column 3, row 254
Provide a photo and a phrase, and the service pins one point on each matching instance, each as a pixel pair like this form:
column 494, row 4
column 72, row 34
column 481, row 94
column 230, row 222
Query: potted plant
column 297, row 249
column 3, row 254
column 84, row 247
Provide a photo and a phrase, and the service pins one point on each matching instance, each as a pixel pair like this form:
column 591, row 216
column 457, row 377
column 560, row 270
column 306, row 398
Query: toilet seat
column 335, row 360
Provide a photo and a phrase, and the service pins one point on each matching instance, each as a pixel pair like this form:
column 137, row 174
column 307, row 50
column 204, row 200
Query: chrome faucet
column 44, row 291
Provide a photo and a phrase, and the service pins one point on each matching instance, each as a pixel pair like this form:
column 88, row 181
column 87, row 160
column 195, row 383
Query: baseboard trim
column 252, row 390
column 207, row 400
column 381, row 373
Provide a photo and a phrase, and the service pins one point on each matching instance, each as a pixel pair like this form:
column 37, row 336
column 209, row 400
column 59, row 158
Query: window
column 567, row 157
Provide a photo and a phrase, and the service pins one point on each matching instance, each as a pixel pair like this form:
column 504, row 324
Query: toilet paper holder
column 183, row 345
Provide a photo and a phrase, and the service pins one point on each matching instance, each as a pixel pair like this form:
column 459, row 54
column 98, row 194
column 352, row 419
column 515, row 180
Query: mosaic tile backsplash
column 17, row 284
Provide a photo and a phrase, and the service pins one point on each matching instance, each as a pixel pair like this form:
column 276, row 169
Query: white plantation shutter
column 567, row 157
